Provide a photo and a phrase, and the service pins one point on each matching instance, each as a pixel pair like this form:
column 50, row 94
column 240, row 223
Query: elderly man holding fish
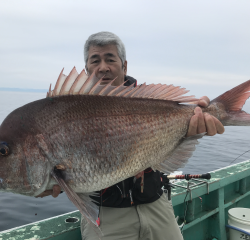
column 126, row 210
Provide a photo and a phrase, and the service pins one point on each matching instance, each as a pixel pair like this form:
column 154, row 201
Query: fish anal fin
column 180, row 155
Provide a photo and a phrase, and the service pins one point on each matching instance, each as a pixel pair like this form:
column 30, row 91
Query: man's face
column 104, row 60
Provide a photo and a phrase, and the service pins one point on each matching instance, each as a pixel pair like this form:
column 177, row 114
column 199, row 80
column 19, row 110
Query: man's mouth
column 106, row 80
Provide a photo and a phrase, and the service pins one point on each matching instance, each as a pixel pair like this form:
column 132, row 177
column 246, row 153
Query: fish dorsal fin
column 68, row 82
column 80, row 80
column 180, row 155
column 59, row 84
column 81, row 84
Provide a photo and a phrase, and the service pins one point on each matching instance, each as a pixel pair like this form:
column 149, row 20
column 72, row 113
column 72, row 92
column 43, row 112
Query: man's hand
column 54, row 192
column 204, row 122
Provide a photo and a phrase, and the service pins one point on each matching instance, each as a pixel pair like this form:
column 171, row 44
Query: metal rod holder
column 191, row 184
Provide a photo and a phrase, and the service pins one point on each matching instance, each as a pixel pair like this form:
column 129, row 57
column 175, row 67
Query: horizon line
column 23, row 89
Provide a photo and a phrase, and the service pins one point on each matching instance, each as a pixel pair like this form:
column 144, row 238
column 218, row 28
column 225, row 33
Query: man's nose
column 103, row 67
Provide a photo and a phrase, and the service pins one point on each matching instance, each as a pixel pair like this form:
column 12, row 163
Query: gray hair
column 102, row 39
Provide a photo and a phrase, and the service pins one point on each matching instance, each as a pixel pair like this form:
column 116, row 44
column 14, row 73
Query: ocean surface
column 212, row 153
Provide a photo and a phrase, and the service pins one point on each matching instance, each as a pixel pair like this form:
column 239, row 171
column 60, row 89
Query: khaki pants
column 152, row 221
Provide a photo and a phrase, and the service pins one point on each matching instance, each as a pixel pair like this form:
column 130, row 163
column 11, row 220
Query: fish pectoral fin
column 180, row 155
column 84, row 203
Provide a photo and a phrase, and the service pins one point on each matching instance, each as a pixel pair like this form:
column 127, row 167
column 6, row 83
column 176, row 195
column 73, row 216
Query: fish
column 87, row 136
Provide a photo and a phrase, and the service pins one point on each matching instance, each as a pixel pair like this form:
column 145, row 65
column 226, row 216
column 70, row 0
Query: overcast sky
column 201, row 45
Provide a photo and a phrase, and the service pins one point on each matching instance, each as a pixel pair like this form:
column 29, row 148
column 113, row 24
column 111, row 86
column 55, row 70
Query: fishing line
column 239, row 156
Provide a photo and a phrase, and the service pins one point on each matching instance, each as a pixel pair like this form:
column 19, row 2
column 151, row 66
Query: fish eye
column 4, row 150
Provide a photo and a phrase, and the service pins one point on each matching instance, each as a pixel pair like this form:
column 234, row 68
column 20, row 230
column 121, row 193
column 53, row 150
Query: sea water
column 212, row 153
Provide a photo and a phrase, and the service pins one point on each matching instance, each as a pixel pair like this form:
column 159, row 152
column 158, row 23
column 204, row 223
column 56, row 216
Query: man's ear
column 125, row 67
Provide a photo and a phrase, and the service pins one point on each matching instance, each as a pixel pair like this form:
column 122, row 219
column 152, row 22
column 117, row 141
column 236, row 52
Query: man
column 125, row 211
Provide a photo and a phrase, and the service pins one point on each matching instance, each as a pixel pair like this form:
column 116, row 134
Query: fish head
column 22, row 166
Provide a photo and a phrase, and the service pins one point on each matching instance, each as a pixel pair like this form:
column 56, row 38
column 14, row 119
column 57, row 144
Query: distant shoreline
column 23, row 90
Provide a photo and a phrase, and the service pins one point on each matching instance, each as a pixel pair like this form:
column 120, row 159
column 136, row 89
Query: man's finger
column 192, row 130
column 45, row 194
column 56, row 191
column 219, row 126
column 204, row 101
column 209, row 120
column 201, row 127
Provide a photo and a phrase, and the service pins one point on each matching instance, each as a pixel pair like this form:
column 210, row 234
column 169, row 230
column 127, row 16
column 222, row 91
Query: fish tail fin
column 233, row 101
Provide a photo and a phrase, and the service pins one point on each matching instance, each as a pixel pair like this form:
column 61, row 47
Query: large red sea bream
column 86, row 136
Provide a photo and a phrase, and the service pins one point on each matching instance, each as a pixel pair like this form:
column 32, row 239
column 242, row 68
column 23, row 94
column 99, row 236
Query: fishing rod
column 168, row 185
column 189, row 176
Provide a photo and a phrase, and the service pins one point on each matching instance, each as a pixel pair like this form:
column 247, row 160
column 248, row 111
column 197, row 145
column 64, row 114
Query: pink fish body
column 102, row 134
